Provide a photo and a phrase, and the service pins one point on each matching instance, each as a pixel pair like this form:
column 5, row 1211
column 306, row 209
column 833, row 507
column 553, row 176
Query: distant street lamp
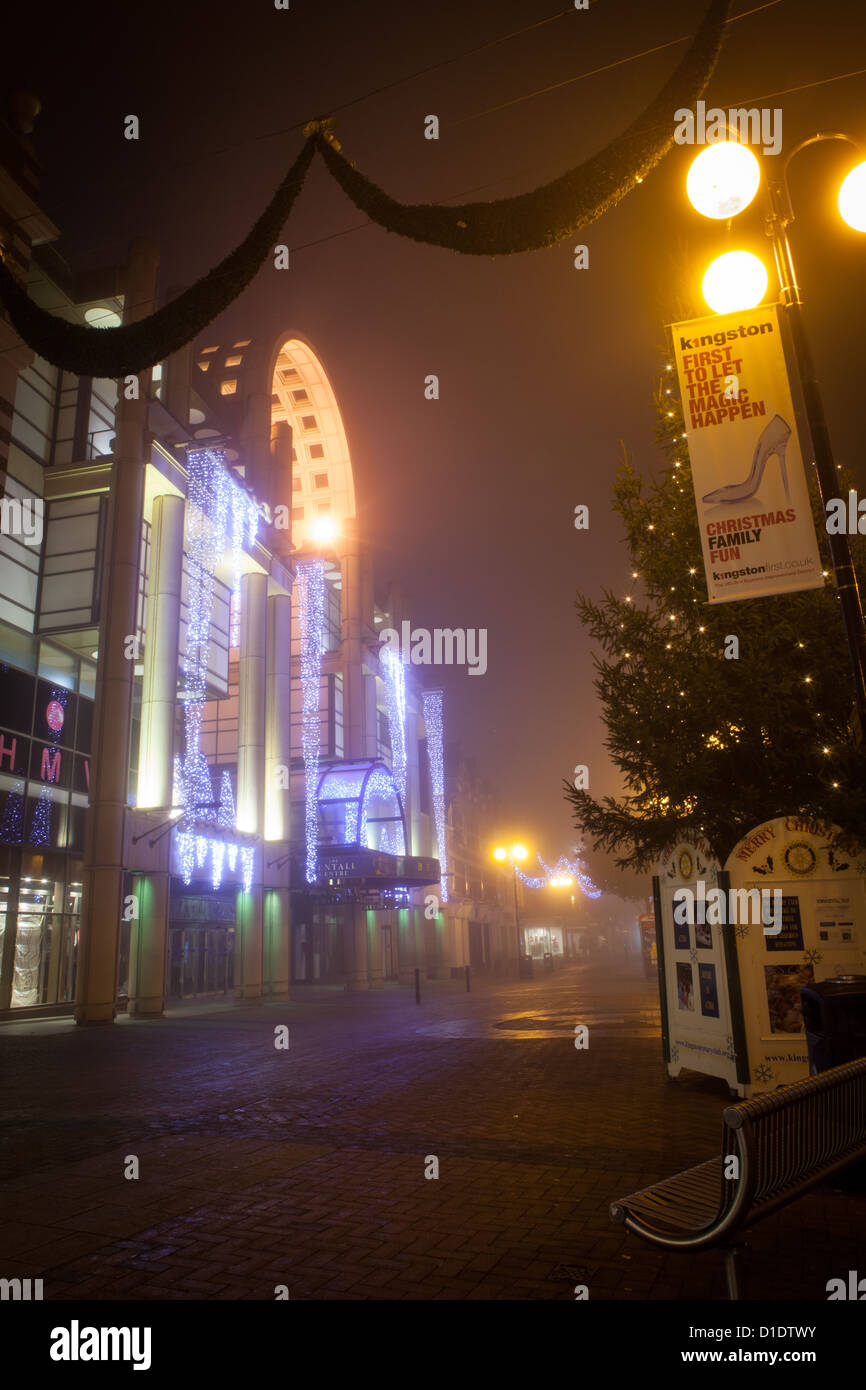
column 723, row 180
column 514, row 856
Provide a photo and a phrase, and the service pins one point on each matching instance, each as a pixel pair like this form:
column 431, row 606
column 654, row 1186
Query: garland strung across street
column 125, row 351
column 532, row 221
column 503, row 227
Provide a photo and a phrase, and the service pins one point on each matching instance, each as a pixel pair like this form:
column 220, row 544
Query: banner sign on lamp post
column 757, row 533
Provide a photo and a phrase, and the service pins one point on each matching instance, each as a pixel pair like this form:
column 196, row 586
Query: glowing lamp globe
column 324, row 529
column 500, row 853
column 852, row 198
column 737, row 280
column 723, row 179
column 519, row 852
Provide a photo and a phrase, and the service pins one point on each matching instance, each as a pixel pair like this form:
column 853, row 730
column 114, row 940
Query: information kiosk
column 818, row 881
column 697, row 969
column 735, row 947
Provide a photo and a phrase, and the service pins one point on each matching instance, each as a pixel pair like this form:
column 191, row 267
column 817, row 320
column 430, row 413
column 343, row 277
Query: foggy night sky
column 469, row 500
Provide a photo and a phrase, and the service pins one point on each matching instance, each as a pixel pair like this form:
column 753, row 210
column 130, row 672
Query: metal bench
column 786, row 1143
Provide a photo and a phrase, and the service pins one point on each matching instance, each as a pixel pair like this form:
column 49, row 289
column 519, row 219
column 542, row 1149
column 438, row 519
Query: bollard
column 467, row 979
column 417, row 985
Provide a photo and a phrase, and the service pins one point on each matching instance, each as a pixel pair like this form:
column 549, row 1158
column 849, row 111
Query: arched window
column 359, row 805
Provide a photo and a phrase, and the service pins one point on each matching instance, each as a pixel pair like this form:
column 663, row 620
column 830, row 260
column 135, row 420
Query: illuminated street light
column 516, row 854
column 720, row 183
column 324, row 529
column 723, row 179
column 736, row 280
column 852, row 198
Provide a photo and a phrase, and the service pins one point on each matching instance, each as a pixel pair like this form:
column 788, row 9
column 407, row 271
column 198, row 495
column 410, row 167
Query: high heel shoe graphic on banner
column 772, row 440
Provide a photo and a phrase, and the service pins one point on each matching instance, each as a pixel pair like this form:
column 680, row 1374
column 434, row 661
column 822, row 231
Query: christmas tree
column 718, row 716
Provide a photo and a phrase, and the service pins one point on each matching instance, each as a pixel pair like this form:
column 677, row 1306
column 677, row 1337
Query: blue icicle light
column 311, row 624
column 434, row 720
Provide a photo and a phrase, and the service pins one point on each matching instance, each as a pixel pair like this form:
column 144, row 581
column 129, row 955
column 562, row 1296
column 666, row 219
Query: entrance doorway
column 388, row 971
column 317, row 943
column 201, row 960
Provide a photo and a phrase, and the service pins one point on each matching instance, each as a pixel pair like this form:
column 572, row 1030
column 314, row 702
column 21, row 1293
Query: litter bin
column 526, row 971
column 834, row 1015
column 548, row 962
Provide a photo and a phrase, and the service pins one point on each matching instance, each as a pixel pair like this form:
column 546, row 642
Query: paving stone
column 255, row 1174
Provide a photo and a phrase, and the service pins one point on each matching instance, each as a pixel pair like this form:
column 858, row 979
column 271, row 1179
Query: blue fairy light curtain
column 434, row 722
column 220, row 516
column 310, row 584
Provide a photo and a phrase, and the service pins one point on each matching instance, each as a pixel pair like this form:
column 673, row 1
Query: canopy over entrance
column 359, row 806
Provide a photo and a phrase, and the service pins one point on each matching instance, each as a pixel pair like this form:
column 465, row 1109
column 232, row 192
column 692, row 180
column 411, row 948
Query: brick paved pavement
column 306, row 1167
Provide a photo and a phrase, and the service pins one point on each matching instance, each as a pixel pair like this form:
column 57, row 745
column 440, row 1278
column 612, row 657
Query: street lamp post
column 517, row 854
column 779, row 215
column 723, row 180
column 516, row 915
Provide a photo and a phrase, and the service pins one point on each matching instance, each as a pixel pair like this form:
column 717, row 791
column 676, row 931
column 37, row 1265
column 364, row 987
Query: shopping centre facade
column 214, row 778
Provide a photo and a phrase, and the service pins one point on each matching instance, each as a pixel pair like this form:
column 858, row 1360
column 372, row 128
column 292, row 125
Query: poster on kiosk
column 815, row 881
column 701, row 1031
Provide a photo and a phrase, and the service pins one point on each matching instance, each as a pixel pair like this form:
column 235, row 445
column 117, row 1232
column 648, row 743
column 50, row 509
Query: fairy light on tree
column 669, row 682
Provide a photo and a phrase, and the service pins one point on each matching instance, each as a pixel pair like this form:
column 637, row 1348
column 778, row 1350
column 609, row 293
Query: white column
column 278, row 750
column 102, row 902
column 252, row 682
column 159, row 689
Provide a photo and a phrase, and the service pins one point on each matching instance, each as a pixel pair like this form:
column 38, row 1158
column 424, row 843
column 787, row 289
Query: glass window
column 101, row 426
column 16, row 699
column 87, row 686
column 54, row 716
column 19, row 649
column 50, row 765
column 58, row 666
column 46, row 816
column 11, row 810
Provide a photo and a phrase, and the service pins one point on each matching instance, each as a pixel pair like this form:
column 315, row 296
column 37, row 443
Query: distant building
column 479, row 918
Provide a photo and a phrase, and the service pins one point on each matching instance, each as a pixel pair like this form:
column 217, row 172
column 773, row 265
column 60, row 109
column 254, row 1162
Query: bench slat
column 787, row 1142
column 690, row 1201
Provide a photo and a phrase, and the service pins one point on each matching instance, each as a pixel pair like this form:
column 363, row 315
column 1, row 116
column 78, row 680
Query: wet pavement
column 305, row 1166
